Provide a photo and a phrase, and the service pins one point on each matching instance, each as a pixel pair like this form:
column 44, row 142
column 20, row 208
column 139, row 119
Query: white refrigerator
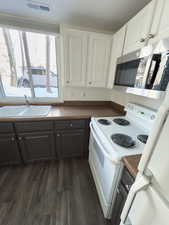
column 148, row 199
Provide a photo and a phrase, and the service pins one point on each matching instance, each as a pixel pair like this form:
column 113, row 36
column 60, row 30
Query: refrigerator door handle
column 142, row 183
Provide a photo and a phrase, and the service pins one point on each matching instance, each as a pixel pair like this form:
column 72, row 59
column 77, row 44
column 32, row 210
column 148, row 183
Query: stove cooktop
column 123, row 140
column 133, row 128
column 104, row 122
column 121, row 122
column 105, row 132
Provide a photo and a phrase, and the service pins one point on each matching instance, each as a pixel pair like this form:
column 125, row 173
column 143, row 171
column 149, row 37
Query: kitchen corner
column 131, row 163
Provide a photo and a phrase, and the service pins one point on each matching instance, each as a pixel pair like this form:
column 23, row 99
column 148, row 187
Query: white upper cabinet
column 138, row 28
column 99, row 50
column 160, row 25
column 75, row 57
column 116, row 51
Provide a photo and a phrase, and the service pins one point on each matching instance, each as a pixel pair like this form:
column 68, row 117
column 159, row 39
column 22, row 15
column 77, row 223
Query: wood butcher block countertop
column 131, row 162
column 72, row 112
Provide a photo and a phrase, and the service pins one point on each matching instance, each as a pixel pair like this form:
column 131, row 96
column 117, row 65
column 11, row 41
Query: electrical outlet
column 83, row 94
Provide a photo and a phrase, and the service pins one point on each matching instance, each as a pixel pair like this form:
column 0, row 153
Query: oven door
column 106, row 172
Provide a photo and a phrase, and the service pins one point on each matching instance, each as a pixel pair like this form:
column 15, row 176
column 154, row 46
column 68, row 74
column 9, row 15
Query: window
column 28, row 65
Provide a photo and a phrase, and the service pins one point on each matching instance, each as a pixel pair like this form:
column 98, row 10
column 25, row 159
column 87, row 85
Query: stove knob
column 152, row 117
column 130, row 107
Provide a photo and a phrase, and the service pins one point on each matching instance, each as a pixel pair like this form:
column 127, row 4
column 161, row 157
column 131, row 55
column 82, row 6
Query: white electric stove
column 111, row 139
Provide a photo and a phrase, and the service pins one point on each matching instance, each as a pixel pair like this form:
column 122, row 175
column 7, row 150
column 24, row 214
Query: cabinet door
column 160, row 25
column 75, row 57
column 116, row 51
column 70, row 143
column 37, row 146
column 138, row 29
column 98, row 60
column 9, row 152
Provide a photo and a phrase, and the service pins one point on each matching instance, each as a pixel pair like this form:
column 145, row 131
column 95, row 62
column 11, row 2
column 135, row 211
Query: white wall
column 123, row 98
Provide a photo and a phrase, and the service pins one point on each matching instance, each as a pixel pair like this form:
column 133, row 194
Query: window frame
column 59, row 62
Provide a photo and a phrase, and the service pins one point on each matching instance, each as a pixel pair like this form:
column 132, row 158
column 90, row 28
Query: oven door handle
column 101, row 147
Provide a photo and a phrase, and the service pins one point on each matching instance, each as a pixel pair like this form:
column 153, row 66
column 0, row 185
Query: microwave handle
column 101, row 147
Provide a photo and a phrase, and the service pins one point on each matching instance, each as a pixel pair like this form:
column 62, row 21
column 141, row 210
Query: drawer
column 69, row 124
column 6, row 127
column 33, row 126
column 127, row 179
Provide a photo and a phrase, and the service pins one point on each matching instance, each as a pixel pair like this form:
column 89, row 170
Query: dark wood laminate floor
column 49, row 193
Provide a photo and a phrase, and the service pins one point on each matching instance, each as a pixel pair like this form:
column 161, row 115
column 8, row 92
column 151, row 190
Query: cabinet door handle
column 150, row 36
column 90, row 82
column 58, row 135
column 67, row 81
column 71, row 125
column 142, row 40
column 12, row 139
column 20, row 138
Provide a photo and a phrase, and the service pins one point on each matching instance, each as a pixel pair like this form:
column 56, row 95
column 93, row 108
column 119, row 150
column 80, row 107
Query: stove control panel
column 141, row 112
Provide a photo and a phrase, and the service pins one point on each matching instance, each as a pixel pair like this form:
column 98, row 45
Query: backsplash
column 123, row 98
column 101, row 94
column 86, row 94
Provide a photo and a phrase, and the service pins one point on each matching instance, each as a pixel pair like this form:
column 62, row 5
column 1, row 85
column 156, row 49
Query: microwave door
column 126, row 73
column 141, row 72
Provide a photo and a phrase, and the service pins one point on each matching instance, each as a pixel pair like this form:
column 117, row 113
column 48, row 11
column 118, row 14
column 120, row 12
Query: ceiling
column 97, row 14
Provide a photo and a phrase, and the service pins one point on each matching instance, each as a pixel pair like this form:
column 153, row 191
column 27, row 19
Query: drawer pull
column 58, row 135
column 150, row 36
column 12, row 139
column 20, row 138
column 71, row 125
column 142, row 40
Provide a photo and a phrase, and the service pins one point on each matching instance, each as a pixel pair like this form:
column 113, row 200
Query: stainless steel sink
column 24, row 111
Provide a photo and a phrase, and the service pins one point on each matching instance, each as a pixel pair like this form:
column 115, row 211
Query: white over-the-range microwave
column 145, row 72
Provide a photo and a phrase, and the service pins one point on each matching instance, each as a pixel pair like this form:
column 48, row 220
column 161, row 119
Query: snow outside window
column 28, row 65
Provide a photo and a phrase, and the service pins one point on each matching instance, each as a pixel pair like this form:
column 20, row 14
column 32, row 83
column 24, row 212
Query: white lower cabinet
column 99, row 50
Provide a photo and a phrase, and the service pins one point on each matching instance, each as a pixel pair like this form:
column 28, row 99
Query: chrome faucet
column 26, row 100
